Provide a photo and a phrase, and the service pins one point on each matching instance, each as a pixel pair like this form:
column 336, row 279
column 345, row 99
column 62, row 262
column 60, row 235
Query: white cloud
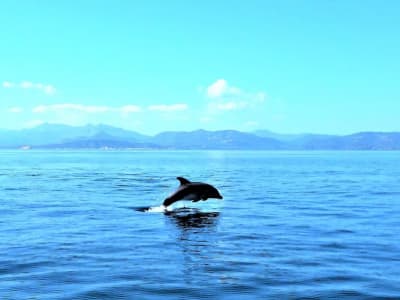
column 15, row 109
column 27, row 85
column 45, row 88
column 224, row 97
column 171, row 107
column 129, row 109
column 217, row 88
column 221, row 88
column 7, row 84
column 90, row 109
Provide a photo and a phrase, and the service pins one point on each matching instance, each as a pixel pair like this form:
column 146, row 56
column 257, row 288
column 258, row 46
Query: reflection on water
column 195, row 233
column 188, row 218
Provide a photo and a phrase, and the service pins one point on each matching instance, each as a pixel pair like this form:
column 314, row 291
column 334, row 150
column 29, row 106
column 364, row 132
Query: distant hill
column 52, row 134
column 370, row 141
column 357, row 141
column 224, row 139
column 100, row 141
column 278, row 136
column 55, row 136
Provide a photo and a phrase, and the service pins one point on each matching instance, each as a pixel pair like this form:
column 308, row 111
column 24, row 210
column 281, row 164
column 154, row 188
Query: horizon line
column 188, row 131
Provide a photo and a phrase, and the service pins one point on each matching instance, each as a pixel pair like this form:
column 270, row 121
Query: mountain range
column 57, row 136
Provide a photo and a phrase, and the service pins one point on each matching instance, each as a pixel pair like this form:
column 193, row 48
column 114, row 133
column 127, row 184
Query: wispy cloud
column 251, row 124
column 228, row 105
column 90, row 109
column 15, row 109
column 33, row 123
column 45, row 88
column 8, row 84
column 205, row 119
column 168, row 108
column 96, row 109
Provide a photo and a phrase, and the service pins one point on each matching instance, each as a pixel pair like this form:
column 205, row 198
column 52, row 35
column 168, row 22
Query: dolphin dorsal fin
column 183, row 180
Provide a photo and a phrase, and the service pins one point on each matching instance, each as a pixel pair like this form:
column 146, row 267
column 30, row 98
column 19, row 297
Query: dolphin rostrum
column 194, row 191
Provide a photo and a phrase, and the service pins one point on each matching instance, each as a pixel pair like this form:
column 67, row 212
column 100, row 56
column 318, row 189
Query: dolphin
column 194, row 191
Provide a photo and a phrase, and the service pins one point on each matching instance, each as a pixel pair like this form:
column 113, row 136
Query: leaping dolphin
column 194, row 191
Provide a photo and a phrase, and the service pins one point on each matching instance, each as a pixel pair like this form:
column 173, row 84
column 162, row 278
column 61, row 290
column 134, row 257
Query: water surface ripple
column 292, row 225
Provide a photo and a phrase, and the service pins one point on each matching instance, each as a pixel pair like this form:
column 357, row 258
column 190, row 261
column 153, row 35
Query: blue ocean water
column 292, row 225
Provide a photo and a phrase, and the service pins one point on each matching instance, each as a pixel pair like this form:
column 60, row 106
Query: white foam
column 157, row 209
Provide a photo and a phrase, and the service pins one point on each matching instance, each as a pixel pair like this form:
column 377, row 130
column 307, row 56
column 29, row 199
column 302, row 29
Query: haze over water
column 291, row 225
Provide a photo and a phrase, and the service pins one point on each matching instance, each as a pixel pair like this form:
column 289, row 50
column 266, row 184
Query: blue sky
column 150, row 66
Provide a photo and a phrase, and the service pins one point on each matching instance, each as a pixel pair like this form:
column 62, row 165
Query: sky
column 150, row 66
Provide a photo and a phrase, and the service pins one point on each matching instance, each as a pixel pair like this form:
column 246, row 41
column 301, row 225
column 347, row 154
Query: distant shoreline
column 104, row 137
column 189, row 150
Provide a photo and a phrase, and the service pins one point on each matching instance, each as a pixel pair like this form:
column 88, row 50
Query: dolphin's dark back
column 194, row 191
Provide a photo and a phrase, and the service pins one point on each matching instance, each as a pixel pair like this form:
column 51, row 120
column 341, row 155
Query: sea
column 292, row 225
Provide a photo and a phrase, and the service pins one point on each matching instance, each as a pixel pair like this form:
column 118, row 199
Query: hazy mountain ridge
column 98, row 141
column 224, row 139
column 55, row 136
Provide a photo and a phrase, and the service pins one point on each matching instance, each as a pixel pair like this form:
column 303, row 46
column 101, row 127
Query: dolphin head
column 212, row 192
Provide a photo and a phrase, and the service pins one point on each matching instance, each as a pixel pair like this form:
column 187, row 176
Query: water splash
column 153, row 209
column 157, row 209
